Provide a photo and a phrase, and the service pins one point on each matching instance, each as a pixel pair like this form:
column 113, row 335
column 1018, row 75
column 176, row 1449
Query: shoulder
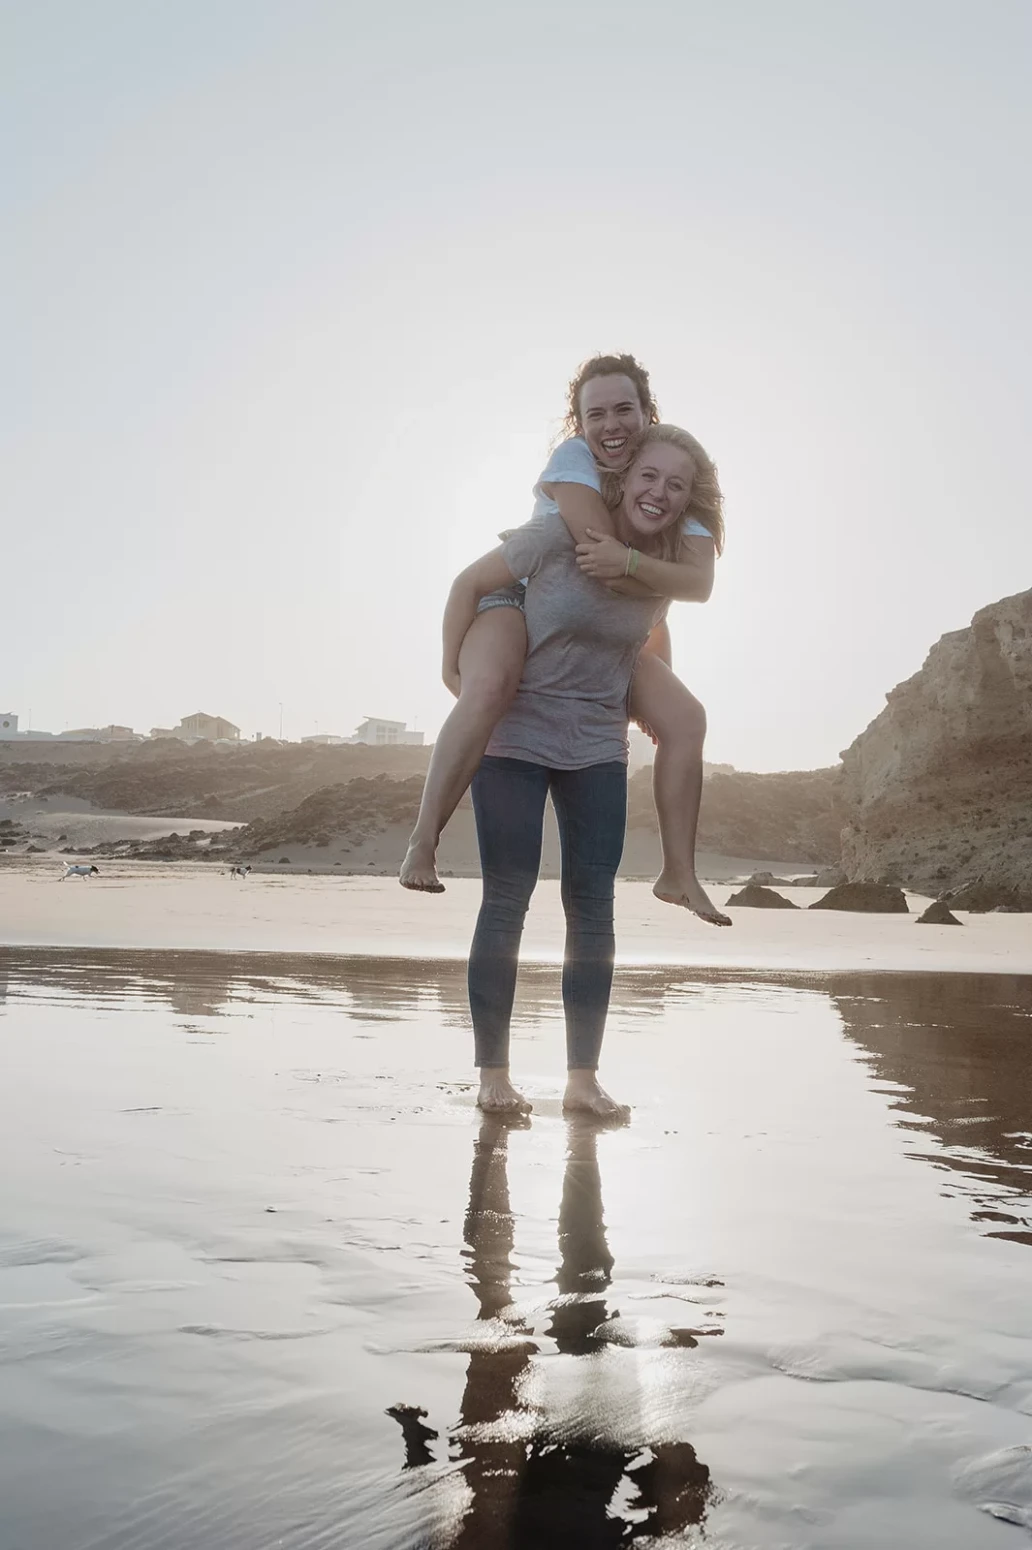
column 537, row 541
column 571, row 463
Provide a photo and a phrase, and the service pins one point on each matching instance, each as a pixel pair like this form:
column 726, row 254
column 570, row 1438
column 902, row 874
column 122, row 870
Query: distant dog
column 239, row 871
column 79, row 871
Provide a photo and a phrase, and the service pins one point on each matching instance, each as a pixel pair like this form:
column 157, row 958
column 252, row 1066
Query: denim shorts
column 505, row 597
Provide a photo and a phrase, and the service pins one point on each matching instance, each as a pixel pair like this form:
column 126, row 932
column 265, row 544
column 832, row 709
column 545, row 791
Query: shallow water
column 268, row 1279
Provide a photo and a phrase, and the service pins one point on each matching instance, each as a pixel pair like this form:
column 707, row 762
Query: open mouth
column 653, row 513
column 613, row 445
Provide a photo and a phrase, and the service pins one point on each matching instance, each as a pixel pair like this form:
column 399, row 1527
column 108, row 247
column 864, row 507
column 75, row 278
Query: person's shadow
column 532, row 1486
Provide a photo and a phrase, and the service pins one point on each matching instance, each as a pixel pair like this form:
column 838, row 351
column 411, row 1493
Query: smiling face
column 656, row 491
column 612, row 419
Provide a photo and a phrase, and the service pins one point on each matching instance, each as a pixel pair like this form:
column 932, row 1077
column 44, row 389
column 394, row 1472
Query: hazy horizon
column 293, row 293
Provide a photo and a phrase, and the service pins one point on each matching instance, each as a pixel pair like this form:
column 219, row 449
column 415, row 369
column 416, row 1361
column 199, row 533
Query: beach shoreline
column 193, row 907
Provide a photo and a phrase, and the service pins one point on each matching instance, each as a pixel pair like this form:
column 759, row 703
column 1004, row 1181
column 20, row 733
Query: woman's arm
column 581, row 508
column 688, row 580
column 485, row 575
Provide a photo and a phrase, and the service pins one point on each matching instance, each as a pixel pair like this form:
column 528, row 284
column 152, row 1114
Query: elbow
column 466, row 587
column 695, row 592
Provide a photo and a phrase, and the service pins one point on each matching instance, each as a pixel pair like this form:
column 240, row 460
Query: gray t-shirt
column 582, row 644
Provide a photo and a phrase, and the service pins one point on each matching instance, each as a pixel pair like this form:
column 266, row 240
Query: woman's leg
column 678, row 720
column 490, row 668
column 509, row 803
column 591, row 808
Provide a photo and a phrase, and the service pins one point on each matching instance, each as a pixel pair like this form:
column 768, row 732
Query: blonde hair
column 705, row 499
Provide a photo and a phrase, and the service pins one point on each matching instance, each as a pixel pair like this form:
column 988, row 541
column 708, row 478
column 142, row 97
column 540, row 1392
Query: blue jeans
column 591, row 807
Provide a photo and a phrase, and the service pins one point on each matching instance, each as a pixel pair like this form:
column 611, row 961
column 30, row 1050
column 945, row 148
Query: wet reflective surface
column 267, row 1278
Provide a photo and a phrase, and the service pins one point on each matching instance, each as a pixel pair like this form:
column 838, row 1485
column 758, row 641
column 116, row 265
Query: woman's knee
column 490, row 686
column 491, row 660
column 681, row 722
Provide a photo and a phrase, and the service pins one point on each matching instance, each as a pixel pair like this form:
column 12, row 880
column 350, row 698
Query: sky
column 292, row 292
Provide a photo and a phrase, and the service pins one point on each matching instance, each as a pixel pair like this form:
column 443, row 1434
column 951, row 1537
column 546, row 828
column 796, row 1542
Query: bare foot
column 419, row 870
column 583, row 1095
column 689, row 894
column 497, row 1095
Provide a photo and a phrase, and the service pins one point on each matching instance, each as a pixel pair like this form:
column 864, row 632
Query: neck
column 645, row 542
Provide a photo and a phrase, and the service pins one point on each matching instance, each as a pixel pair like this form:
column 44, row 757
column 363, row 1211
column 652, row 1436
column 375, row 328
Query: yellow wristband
column 632, row 569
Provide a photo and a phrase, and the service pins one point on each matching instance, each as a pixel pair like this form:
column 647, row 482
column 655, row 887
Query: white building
column 8, row 724
column 111, row 734
column 201, row 728
column 327, row 739
column 382, row 734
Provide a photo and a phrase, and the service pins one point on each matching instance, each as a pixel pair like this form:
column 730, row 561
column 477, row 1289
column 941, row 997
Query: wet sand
column 268, row 1279
column 196, row 906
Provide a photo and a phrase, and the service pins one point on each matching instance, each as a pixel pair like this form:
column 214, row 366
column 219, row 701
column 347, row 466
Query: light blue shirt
column 572, row 463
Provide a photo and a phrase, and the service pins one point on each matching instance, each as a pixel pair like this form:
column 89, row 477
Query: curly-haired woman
column 565, row 736
column 610, row 407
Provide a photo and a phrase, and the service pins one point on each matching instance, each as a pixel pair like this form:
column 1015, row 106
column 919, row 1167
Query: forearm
column 582, row 508
column 676, row 579
column 683, row 581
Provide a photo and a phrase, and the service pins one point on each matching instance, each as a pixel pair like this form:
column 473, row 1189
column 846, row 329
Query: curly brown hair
column 608, row 366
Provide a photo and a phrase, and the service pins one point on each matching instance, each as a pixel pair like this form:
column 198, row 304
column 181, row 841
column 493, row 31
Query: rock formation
column 939, row 786
column 938, row 913
column 758, row 897
column 866, row 898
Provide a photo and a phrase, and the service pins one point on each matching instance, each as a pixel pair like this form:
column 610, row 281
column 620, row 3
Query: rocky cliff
column 939, row 786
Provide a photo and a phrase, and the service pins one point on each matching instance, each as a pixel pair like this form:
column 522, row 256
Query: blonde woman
column 610, row 405
column 565, row 736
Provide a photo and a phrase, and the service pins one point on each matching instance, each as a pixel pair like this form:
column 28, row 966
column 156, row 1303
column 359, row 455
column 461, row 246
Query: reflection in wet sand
column 222, row 1258
column 957, row 1050
column 531, row 1482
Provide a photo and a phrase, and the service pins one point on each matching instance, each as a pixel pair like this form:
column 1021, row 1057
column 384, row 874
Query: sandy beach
column 268, row 1279
column 197, row 907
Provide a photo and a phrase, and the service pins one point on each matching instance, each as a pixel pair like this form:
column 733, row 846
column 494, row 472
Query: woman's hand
column 601, row 557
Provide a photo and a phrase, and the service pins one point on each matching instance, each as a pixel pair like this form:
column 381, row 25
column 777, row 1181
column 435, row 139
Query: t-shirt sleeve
column 691, row 527
column 526, row 547
column 571, row 463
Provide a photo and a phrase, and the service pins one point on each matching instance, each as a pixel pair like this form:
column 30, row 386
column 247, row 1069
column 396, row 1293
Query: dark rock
column 938, row 914
column 756, row 896
column 284, row 860
column 867, row 898
column 830, row 877
column 980, row 898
